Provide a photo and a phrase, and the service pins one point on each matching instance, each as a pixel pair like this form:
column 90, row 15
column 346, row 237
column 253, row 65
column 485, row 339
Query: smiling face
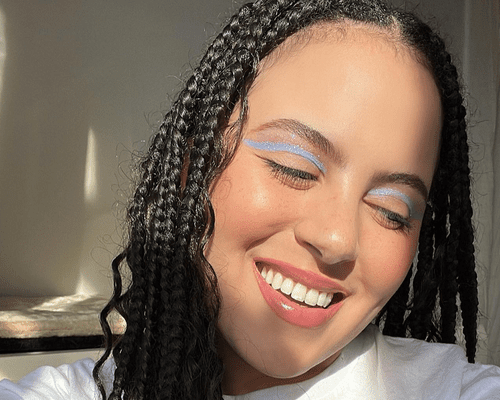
column 317, row 217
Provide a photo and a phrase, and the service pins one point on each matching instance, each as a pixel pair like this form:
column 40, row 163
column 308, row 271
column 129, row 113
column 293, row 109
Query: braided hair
column 172, row 303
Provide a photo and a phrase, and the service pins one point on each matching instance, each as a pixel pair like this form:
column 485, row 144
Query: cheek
column 389, row 263
column 247, row 207
column 238, row 211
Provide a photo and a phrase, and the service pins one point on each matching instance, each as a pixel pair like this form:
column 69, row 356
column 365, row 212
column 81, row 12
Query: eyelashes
column 392, row 220
column 296, row 178
column 302, row 180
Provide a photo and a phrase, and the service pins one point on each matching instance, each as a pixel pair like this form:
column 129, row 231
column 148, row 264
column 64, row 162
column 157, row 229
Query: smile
column 298, row 291
column 299, row 297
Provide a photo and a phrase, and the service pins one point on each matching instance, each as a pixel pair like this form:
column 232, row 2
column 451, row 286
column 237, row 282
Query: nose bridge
column 330, row 229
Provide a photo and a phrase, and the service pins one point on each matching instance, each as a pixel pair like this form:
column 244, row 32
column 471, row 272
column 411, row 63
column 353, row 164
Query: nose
column 330, row 231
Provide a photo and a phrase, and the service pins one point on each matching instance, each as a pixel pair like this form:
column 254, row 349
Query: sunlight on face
column 318, row 214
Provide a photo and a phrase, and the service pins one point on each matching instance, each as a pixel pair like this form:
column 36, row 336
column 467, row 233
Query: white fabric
column 69, row 382
column 372, row 366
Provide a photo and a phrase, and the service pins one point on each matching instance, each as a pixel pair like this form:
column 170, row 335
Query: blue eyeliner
column 395, row 193
column 290, row 148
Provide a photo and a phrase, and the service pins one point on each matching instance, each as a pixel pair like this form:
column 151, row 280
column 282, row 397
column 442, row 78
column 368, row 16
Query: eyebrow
column 410, row 180
column 307, row 133
column 316, row 139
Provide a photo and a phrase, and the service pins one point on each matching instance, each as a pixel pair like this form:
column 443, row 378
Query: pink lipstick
column 290, row 310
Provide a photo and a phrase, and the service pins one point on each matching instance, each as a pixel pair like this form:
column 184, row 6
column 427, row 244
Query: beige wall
column 78, row 81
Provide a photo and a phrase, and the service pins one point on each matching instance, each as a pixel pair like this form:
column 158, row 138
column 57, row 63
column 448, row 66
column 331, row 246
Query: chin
column 293, row 366
column 286, row 371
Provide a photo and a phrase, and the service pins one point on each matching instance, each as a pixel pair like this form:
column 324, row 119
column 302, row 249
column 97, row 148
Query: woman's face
column 325, row 197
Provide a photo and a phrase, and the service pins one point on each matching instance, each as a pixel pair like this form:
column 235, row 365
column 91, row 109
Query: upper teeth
column 297, row 291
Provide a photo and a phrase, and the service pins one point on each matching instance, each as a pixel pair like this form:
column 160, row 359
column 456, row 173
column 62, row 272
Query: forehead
column 338, row 31
column 357, row 85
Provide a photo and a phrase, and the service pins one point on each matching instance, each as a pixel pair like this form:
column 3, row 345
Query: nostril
column 330, row 243
column 314, row 250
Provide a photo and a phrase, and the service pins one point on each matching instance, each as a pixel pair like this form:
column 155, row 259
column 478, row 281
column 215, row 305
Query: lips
column 324, row 296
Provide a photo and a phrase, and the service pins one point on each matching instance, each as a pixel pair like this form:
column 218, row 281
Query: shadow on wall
column 78, row 79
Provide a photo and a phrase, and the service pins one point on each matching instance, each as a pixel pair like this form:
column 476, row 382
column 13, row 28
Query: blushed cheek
column 393, row 265
column 250, row 208
column 393, row 276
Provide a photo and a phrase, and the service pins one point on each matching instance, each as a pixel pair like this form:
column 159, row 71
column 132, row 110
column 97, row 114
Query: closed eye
column 392, row 220
column 296, row 178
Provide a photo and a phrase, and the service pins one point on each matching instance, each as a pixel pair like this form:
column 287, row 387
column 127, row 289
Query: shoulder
column 432, row 370
column 68, row 381
column 481, row 382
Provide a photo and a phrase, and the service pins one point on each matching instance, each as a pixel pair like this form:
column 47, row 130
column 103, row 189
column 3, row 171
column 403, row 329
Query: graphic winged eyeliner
column 383, row 192
column 290, row 148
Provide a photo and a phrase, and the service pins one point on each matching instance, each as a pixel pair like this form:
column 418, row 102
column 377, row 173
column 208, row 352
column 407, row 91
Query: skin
column 380, row 111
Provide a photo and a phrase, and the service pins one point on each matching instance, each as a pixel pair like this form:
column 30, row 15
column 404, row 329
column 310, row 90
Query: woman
column 317, row 146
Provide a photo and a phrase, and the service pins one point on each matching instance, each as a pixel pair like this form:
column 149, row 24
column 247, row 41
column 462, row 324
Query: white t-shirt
column 372, row 366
